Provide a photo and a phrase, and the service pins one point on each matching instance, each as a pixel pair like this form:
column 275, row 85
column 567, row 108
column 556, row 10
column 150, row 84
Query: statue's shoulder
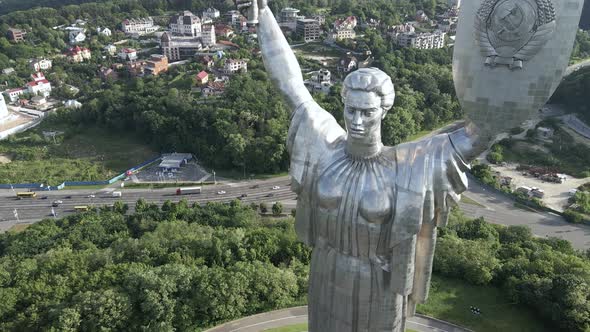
column 400, row 152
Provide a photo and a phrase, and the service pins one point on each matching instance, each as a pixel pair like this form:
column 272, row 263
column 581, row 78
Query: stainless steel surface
column 508, row 64
column 370, row 212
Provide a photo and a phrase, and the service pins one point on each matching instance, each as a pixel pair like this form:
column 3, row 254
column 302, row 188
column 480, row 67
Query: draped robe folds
column 371, row 222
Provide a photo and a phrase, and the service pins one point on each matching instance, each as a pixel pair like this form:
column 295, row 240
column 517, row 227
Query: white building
column 179, row 48
column 40, row 64
column 396, row 30
column 78, row 54
column 104, row 31
column 77, row 36
column 341, row 34
column 234, row 65
column 320, row 81
column 186, row 24
column 14, row 94
column 139, row 26
column 422, row 41
column 128, row 54
column 110, row 49
column 3, row 108
column 208, row 35
column 211, row 14
column 39, row 85
column 72, row 104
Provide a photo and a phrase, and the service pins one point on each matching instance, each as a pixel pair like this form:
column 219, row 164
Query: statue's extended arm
column 279, row 59
column 469, row 141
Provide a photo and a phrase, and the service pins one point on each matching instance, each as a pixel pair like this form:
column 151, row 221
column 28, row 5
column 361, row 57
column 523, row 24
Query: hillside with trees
column 181, row 267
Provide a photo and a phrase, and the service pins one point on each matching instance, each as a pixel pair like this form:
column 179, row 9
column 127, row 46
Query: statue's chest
column 357, row 189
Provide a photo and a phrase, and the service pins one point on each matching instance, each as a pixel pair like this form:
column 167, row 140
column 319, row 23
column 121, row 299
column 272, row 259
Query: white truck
column 188, row 190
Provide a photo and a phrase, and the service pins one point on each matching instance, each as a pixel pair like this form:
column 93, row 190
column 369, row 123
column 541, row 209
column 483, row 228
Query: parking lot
column 556, row 194
column 190, row 172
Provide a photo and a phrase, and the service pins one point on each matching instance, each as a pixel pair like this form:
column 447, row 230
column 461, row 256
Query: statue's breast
column 375, row 206
column 359, row 189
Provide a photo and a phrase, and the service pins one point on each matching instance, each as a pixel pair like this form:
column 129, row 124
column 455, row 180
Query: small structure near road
column 173, row 162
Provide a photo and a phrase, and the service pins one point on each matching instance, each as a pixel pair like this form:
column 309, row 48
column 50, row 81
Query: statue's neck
column 364, row 150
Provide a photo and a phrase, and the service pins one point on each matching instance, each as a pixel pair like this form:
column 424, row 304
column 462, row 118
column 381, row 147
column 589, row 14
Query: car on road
column 91, row 196
column 276, row 188
column 242, row 196
column 44, row 197
column 56, row 203
column 270, row 195
column 221, row 192
column 256, row 186
column 68, row 197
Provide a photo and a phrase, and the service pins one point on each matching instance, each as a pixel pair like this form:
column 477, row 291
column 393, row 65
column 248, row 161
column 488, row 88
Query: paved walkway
column 298, row 315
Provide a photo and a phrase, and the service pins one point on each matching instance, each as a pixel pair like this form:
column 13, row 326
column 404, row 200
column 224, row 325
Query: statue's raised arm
column 279, row 59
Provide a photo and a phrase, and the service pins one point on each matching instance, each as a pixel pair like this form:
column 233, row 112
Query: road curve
column 575, row 67
column 298, row 315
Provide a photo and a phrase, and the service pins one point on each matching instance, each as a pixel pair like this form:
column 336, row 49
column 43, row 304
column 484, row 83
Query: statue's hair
column 370, row 80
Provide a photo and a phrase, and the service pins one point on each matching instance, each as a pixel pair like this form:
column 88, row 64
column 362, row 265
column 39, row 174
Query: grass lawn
column 90, row 154
column 19, row 228
column 239, row 175
column 290, row 328
column 450, row 300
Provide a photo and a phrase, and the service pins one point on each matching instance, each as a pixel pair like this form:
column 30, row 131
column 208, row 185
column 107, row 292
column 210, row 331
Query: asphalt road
column 498, row 208
column 298, row 315
column 31, row 210
column 575, row 67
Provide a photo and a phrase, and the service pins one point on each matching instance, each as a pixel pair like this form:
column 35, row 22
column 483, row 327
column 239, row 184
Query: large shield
column 510, row 56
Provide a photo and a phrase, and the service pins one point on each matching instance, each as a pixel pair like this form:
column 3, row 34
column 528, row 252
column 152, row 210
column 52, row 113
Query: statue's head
column 367, row 94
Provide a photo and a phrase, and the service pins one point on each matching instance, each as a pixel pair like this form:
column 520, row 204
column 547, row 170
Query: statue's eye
column 369, row 112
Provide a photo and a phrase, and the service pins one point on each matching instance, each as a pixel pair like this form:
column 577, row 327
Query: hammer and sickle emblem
column 510, row 21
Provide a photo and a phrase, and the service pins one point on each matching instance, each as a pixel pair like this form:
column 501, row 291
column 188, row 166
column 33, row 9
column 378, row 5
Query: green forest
column 246, row 126
column 181, row 267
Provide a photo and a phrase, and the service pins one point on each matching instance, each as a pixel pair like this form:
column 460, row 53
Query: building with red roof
column 39, row 85
column 78, row 54
column 202, row 78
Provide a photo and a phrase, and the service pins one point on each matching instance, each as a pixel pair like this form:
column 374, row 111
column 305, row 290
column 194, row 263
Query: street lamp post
column 214, row 179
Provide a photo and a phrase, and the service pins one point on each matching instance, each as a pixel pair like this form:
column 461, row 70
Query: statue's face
column 362, row 115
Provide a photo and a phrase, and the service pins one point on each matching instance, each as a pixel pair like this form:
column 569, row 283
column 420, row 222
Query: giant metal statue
column 370, row 211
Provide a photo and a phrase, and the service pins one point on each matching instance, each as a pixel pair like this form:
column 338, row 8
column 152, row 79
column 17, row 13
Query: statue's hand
column 251, row 8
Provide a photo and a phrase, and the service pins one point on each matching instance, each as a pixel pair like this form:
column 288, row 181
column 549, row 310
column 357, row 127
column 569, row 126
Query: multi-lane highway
column 496, row 208
column 30, row 210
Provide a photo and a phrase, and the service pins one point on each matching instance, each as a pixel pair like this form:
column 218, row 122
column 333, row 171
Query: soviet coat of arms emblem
column 510, row 32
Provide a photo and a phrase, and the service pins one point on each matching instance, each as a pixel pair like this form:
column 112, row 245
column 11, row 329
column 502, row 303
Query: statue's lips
column 357, row 131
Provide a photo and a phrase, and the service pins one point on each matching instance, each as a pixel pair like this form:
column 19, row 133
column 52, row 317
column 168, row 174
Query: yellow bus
column 81, row 208
column 26, row 194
